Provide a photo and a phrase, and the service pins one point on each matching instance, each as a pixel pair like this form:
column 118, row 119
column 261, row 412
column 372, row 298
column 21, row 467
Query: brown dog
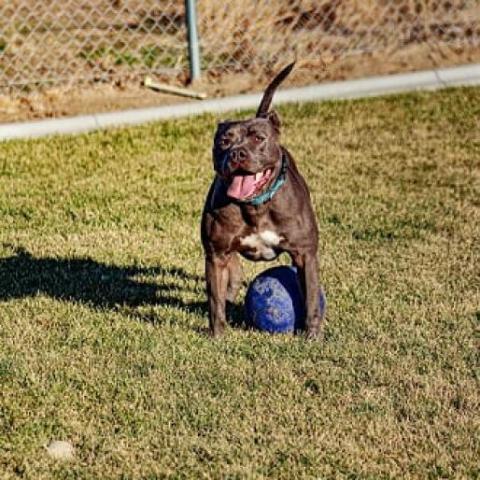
column 258, row 206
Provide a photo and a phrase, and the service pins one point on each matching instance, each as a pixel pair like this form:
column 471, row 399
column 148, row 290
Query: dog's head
column 247, row 154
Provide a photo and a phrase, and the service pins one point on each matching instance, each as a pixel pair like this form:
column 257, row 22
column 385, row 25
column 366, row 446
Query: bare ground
column 106, row 97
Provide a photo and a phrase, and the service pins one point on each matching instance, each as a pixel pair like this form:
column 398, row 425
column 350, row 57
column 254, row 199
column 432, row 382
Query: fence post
column 193, row 45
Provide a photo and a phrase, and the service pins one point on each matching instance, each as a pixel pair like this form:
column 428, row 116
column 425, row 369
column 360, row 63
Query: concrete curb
column 365, row 87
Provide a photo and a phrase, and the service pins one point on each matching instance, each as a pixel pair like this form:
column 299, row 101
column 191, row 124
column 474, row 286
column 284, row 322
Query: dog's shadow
column 102, row 286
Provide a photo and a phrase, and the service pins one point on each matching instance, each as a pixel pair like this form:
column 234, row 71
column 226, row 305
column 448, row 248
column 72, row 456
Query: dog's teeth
column 258, row 176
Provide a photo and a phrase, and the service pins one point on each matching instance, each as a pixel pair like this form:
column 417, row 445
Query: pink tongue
column 242, row 186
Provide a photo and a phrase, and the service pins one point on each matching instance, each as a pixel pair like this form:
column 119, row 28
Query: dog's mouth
column 244, row 186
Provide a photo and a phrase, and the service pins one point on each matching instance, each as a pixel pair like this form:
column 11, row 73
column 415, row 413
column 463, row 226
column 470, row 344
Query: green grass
column 103, row 319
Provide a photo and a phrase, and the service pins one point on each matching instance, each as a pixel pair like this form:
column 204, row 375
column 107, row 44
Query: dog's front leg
column 307, row 267
column 216, row 273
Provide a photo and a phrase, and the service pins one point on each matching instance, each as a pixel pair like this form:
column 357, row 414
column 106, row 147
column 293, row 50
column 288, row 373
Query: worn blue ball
column 274, row 301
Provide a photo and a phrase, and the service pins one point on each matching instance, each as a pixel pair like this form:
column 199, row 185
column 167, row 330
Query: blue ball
column 274, row 302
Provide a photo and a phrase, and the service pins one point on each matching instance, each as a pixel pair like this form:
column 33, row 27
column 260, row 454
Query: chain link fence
column 65, row 42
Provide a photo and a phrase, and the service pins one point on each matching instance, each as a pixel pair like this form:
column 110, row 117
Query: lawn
column 103, row 322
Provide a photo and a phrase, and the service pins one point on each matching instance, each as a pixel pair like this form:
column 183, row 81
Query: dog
column 258, row 206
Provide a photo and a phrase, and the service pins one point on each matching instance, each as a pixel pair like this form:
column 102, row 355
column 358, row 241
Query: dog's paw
column 217, row 333
column 314, row 333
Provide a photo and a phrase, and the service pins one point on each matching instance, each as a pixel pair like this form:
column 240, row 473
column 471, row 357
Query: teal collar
column 274, row 188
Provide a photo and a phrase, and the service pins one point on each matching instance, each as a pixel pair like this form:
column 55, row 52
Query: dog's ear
column 222, row 126
column 274, row 119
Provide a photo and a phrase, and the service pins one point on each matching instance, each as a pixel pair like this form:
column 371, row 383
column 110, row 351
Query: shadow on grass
column 96, row 284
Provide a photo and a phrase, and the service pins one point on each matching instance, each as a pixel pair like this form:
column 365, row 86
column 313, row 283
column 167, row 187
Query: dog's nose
column 237, row 156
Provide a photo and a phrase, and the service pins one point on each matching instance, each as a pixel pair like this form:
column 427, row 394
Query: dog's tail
column 269, row 92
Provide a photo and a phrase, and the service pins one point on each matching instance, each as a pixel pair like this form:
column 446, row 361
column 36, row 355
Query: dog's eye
column 258, row 138
column 224, row 143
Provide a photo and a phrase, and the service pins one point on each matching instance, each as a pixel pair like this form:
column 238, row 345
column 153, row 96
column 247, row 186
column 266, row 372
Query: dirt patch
column 106, row 97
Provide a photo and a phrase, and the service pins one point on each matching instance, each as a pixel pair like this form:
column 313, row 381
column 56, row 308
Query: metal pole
column 193, row 45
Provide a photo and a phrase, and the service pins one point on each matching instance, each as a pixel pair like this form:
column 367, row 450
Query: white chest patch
column 262, row 244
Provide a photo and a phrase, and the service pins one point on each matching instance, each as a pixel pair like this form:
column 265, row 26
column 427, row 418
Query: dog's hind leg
column 235, row 276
